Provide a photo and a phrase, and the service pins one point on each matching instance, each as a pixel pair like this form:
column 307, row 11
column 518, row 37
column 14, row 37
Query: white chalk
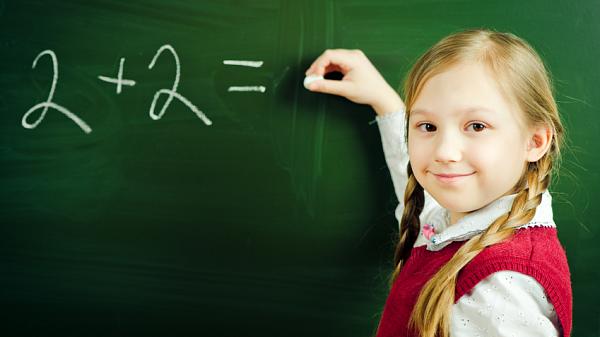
column 311, row 78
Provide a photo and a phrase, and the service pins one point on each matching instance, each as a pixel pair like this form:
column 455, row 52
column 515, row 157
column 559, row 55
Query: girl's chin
column 452, row 202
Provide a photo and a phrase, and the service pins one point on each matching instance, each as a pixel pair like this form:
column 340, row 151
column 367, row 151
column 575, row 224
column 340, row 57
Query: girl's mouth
column 452, row 177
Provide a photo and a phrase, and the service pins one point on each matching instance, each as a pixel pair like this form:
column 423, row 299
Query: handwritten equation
column 120, row 82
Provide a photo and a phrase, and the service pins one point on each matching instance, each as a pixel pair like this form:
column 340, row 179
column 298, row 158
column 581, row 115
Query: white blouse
column 506, row 303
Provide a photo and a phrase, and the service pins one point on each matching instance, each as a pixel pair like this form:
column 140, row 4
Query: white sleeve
column 505, row 304
column 392, row 130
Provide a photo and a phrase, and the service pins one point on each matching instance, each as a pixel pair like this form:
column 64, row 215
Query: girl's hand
column 362, row 83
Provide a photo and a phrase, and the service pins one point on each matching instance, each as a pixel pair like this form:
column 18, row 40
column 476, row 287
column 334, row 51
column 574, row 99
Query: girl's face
column 460, row 124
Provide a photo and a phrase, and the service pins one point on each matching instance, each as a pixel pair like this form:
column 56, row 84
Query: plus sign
column 119, row 80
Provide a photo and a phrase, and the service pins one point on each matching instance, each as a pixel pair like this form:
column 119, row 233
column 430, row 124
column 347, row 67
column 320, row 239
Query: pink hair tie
column 428, row 230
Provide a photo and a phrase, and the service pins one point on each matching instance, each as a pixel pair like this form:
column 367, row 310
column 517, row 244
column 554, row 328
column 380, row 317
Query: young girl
column 478, row 252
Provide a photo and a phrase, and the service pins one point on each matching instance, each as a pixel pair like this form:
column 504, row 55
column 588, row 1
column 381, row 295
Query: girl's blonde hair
column 523, row 78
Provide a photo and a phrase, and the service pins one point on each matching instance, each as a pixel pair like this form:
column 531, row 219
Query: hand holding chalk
column 311, row 78
column 361, row 82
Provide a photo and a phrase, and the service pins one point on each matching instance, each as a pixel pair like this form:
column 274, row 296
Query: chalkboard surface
column 165, row 173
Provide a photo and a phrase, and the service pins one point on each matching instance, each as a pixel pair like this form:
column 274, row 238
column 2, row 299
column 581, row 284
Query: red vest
column 535, row 251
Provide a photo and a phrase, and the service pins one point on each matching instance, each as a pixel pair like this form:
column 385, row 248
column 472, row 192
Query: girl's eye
column 478, row 126
column 427, row 129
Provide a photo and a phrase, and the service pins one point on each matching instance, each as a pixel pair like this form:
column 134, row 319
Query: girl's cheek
column 486, row 156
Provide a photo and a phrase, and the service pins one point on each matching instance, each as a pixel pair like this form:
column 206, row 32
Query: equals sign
column 252, row 64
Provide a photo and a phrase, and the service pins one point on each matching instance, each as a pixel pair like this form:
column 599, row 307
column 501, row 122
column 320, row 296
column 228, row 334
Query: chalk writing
column 119, row 81
column 173, row 91
column 48, row 103
column 255, row 64
column 248, row 88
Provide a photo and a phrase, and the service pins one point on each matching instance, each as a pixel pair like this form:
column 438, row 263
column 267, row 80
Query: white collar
column 477, row 221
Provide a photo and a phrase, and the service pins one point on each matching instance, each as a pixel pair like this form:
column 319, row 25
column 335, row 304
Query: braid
column 432, row 312
column 414, row 200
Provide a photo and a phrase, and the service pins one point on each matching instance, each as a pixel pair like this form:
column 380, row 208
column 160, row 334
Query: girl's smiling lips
column 451, row 177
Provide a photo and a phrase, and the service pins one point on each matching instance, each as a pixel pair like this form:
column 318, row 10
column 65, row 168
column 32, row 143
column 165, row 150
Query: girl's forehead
column 464, row 90
column 458, row 112
column 499, row 116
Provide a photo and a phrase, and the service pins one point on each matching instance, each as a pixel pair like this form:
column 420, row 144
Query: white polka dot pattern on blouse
column 505, row 304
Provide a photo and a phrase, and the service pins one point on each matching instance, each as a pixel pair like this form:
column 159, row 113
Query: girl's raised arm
column 363, row 84
column 392, row 128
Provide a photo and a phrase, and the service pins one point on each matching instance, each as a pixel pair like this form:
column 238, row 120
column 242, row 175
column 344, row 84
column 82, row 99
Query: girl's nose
column 448, row 148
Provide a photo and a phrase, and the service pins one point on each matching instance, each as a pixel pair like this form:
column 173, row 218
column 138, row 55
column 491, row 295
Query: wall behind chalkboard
column 164, row 172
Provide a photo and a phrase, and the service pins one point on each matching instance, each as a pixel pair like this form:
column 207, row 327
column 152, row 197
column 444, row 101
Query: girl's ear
column 539, row 142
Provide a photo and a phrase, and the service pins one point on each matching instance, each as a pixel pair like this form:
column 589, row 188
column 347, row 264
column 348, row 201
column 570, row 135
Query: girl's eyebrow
column 419, row 111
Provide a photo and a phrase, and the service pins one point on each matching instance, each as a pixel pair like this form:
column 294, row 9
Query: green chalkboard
column 237, row 203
